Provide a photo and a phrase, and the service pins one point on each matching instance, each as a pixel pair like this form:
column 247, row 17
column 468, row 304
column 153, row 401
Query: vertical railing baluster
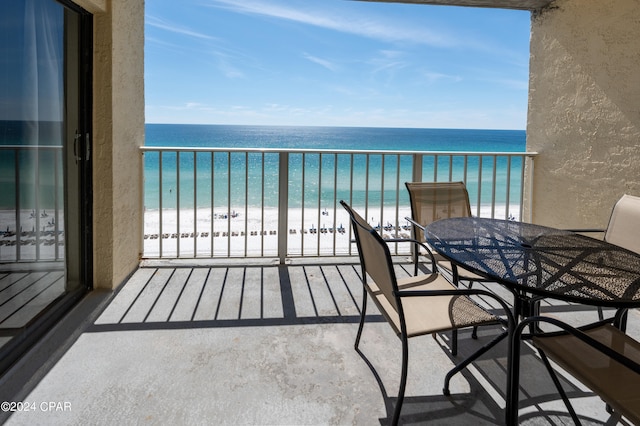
column 283, row 205
column 262, row 209
column 246, row 200
column 229, row 204
column 366, row 190
column 18, row 200
column 397, row 209
column 435, row 167
column 55, row 206
column 465, row 169
column 335, row 199
column 530, row 160
column 178, row 204
column 507, row 212
column 350, row 250
column 493, row 187
column 195, row 204
column 212, row 196
column 160, row 208
column 319, row 202
column 302, row 196
column 38, row 192
column 382, row 167
column 479, row 185
column 416, row 174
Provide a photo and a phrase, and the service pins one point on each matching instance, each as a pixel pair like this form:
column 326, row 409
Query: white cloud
column 323, row 62
column 164, row 25
column 432, row 77
column 358, row 24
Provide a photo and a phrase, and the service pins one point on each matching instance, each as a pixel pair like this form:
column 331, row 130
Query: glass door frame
column 77, row 172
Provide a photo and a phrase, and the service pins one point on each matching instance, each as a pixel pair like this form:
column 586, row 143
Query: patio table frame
column 535, row 262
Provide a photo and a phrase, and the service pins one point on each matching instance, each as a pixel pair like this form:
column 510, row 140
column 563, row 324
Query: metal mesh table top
column 541, row 260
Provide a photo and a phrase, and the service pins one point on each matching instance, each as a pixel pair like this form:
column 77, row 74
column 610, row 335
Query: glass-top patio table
column 532, row 261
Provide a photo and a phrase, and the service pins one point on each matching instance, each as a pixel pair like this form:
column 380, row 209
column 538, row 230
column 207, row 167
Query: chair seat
column 618, row 385
column 431, row 314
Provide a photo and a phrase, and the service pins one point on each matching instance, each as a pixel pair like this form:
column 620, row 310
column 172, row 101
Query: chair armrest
column 414, row 223
column 578, row 333
column 414, row 241
column 462, row 292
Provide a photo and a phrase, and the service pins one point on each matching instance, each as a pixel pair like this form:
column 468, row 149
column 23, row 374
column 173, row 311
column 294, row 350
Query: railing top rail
column 14, row 147
column 335, row 151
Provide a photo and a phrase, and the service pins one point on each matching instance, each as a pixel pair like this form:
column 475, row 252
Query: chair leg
column 462, row 365
column 454, row 342
column 403, row 381
column 362, row 315
column 474, row 333
column 416, row 255
column 561, row 391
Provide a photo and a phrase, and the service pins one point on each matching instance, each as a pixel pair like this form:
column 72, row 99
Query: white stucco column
column 118, row 131
column 584, row 110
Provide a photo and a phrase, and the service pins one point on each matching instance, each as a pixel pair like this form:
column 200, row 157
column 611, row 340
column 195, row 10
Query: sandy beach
column 309, row 232
column 21, row 240
column 204, row 233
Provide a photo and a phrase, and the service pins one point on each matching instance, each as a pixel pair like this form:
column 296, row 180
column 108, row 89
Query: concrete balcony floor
column 265, row 344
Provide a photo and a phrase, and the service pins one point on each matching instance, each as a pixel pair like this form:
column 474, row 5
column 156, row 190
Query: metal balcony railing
column 221, row 202
column 31, row 203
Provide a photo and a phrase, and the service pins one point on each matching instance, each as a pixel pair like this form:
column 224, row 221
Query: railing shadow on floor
column 236, row 296
column 181, row 297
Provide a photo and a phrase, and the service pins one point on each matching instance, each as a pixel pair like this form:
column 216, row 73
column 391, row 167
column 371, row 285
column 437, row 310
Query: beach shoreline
column 240, row 232
column 254, row 231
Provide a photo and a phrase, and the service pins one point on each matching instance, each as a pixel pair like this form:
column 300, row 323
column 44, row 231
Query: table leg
column 513, row 379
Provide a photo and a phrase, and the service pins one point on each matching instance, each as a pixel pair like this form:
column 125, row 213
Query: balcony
column 260, row 331
column 265, row 344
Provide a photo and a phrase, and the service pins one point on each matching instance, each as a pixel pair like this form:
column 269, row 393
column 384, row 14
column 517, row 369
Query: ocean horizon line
column 330, row 126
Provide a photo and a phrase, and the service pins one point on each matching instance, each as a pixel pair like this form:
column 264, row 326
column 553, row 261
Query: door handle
column 76, row 139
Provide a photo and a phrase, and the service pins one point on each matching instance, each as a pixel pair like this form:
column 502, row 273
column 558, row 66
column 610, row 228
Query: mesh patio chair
column 599, row 355
column 624, row 225
column 431, row 201
column 419, row 305
column 623, row 228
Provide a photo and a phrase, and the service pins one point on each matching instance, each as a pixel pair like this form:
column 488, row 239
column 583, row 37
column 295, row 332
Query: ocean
column 362, row 138
column 233, row 170
column 346, row 178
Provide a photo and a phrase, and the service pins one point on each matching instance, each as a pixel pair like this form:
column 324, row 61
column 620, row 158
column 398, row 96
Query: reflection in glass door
column 44, row 167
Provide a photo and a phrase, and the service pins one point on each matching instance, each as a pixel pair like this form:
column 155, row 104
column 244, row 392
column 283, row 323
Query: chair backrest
column 375, row 257
column 431, row 201
column 624, row 225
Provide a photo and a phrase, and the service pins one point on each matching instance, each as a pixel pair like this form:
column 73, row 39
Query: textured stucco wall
column 584, row 110
column 118, row 132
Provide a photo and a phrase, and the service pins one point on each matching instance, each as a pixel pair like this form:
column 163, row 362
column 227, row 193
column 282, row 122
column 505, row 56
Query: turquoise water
column 231, row 171
column 353, row 138
column 38, row 174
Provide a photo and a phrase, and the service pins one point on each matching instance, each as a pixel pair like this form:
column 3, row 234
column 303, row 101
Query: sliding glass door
column 45, row 167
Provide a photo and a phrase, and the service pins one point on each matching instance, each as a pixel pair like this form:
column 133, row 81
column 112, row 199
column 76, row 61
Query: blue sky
column 335, row 63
